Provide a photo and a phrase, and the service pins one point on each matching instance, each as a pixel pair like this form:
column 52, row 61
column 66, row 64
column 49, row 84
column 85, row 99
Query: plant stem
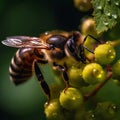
column 115, row 43
column 98, row 87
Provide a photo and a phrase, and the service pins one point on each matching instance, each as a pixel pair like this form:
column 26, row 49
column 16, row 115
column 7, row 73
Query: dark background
column 28, row 17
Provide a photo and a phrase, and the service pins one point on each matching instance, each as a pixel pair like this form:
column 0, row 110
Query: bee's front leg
column 43, row 83
column 63, row 69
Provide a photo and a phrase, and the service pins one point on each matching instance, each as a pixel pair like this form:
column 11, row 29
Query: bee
column 51, row 47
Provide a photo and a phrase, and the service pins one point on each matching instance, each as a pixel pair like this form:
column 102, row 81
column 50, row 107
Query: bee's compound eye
column 57, row 41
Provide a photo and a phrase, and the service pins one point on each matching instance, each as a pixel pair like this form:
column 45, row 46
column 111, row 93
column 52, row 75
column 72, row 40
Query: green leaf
column 106, row 14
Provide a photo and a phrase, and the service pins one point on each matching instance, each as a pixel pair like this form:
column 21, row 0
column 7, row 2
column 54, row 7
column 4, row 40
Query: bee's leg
column 64, row 73
column 91, row 37
column 40, row 78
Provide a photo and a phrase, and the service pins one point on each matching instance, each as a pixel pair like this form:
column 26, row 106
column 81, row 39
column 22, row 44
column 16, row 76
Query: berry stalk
column 98, row 87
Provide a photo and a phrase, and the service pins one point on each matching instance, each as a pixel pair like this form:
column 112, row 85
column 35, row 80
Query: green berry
column 75, row 77
column 116, row 68
column 53, row 111
column 117, row 82
column 83, row 5
column 105, row 54
column 93, row 73
column 88, row 27
column 71, row 99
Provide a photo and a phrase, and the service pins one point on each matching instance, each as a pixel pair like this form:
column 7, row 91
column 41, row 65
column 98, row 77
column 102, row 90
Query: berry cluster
column 79, row 101
column 85, row 81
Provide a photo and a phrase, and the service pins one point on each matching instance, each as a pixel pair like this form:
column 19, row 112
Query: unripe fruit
column 83, row 5
column 105, row 54
column 75, row 77
column 88, row 27
column 53, row 111
column 117, row 82
column 116, row 68
column 71, row 99
column 93, row 73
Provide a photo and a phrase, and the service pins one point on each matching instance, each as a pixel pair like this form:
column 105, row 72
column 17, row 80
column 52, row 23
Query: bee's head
column 61, row 46
column 75, row 48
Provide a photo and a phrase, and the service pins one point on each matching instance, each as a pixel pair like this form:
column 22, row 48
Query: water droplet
column 47, row 33
column 108, row 42
column 105, row 23
column 108, row 14
column 111, row 54
column 93, row 116
column 95, row 71
column 73, row 98
column 114, row 107
column 99, row 7
column 117, row 3
column 114, row 16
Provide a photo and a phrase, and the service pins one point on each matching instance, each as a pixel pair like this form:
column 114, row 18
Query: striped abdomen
column 21, row 65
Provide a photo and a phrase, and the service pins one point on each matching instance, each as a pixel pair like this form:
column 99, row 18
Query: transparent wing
column 24, row 41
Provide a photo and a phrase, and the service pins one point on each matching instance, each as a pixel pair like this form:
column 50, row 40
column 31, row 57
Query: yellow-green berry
column 71, row 99
column 75, row 77
column 116, row 68
column 105, row 54
column 93, row 73
column 88, row 27
column 53, row 111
